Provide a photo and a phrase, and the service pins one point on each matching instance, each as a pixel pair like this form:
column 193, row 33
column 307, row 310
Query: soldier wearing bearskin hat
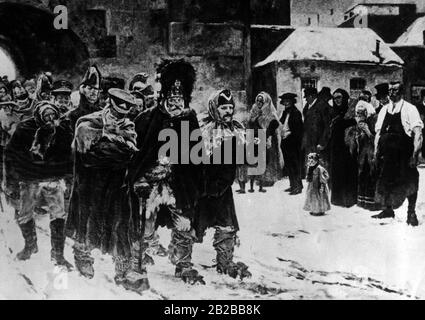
column 165, row 192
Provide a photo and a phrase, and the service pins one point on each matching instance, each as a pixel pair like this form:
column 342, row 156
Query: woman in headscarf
column 264, row 116
column 360, row 140
column 343, row 166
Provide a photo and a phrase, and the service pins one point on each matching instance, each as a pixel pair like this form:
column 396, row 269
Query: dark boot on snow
column 57, row 238
column 412, row 219
column 134, row 276
column 224, row 244
column 30, row 236
column 387, row 213
column 188, row 274
column 180, row 254
column 83, row 261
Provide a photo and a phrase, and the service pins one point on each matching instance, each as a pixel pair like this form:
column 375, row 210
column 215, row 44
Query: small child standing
column 317, row 199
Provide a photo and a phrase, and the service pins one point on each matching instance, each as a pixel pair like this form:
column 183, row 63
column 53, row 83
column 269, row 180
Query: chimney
column 377, row 52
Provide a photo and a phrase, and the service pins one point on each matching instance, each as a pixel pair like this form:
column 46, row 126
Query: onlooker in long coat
column 316, row 123
column 343, row 166
column 291, row 134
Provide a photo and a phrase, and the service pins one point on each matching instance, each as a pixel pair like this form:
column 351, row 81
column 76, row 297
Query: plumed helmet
column 177, row 79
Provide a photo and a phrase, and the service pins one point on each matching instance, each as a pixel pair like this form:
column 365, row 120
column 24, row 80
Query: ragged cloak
column 99, row 214
column 22, row 165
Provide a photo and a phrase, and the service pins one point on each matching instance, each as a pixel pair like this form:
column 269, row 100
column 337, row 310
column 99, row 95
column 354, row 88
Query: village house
column 410, row 46
column 349, row 58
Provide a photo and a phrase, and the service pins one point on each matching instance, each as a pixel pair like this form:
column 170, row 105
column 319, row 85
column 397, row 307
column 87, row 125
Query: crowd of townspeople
column 365, row 150
column 97, row 170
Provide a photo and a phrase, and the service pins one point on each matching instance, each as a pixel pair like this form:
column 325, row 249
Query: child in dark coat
column 317, row 199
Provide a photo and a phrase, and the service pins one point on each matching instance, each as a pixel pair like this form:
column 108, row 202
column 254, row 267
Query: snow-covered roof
column 355, row 45
column 413, row 36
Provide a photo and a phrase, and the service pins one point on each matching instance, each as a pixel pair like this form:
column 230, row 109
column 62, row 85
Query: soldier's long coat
column 185, row 180
column 99, row 215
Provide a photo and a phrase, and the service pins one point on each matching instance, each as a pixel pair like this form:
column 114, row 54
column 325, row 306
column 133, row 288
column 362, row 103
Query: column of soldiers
column 97, row 170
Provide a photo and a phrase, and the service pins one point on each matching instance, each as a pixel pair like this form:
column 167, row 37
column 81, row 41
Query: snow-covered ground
column 292, row 255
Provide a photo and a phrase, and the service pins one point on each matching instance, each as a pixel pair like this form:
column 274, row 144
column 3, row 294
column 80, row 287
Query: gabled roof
column 352, row 45
column 413, row 36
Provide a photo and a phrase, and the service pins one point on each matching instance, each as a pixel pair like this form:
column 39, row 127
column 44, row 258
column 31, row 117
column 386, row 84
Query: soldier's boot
column 412, row 219
column 30, row 236
column 136, row 277
column 83, row 260
column 224, row 244
column 130, row 274
column 180, row 254
column 154, row 247
column 57, row 238
column 121, row 266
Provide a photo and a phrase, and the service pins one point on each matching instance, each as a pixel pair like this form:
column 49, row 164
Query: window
column 308, row 83
column 309, row 21
column 357, row 85
column 332, row 12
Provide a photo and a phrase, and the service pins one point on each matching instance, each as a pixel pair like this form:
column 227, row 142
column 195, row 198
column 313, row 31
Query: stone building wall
column 332, row 75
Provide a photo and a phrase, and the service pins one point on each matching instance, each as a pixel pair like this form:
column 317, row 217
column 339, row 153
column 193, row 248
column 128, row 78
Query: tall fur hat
column 177, row 78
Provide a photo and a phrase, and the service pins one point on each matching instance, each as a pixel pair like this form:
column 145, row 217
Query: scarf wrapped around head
column 342, row 110
column 366, row 108
column 214, row 129
column 339, row 111
column 44, row 136
column 266, row 114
